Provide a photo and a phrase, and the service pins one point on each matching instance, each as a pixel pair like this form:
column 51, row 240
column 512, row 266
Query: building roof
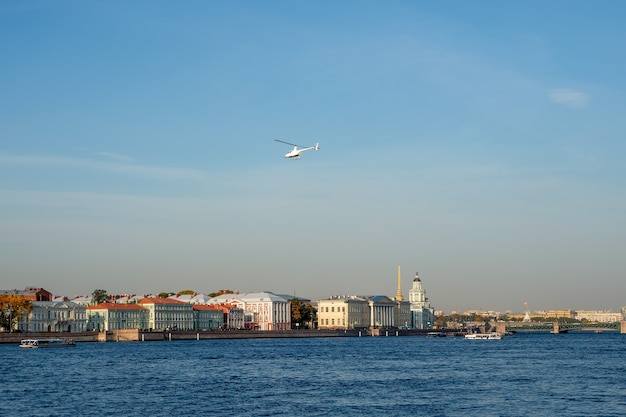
column 115, row 306
column 261, row 296
column 204, row 307
column 159, row 301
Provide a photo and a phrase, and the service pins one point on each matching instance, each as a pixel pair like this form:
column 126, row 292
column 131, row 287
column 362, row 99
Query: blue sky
column 481, row 144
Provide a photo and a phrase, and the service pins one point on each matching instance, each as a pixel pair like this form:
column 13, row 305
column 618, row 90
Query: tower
column 423, row 315
column 399, row 296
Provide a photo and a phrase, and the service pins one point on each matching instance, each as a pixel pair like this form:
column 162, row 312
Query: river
column 540, row 374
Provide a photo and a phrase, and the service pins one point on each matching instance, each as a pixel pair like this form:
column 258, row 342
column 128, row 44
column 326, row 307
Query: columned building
column 262, row 310
column 422, row 314
column 54, row 316
column 382, row 311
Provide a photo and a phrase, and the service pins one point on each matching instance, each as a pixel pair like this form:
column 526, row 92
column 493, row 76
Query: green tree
column 12, row 308
column 302, row 314
column 220, row 292
column 99, row 296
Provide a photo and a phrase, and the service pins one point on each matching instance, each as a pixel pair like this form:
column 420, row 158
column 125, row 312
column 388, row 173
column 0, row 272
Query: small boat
column 484, row 336
column 46, row 343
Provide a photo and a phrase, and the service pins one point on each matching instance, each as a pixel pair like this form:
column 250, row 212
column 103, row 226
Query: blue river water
column 578, row 374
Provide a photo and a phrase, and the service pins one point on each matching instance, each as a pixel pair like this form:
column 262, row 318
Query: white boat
column 484, row 336
column 46, row 343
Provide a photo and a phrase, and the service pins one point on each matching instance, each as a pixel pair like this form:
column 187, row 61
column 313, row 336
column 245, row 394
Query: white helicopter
column 295, row 152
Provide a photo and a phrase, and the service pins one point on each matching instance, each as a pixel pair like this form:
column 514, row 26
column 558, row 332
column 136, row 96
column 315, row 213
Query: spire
column 399, row 296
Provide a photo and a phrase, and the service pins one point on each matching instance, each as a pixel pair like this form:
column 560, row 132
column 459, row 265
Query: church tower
column 399, row 296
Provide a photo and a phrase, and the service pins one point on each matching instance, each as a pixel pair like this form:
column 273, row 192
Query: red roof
column 113, row 306
column 206, row 307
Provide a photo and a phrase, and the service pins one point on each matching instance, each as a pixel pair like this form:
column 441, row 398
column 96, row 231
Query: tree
column 302, row 314
column 220, row 292
column 12, row 308
column 185, row 292
column 99, row 296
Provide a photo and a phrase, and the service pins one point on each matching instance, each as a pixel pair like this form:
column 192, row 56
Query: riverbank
column 155, row 336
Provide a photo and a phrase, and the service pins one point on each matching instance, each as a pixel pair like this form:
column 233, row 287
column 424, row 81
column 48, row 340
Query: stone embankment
column 154, row 336
column 149, row 336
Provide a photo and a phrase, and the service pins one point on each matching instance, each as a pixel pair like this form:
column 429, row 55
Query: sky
column 479, row 144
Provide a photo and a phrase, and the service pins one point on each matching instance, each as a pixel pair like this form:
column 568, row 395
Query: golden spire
column 399, row 296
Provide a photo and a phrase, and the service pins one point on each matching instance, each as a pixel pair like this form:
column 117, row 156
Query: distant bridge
column 556, row 327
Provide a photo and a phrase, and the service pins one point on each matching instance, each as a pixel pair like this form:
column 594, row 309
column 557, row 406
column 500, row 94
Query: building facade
column 422, row 314
column 167, row 314
column 54, row 316
column 113, row 316
column 354, row 312
column 598, row 316
column 30, row 294
column 262, row 310
column 343, row 312
column 207, row 317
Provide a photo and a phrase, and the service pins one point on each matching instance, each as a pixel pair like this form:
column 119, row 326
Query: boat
column 46, row 343
column 484, row 336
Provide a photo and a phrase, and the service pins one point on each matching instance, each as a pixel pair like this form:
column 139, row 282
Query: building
column 113, row 316
column 262, row 310
column 382, row 311
column 167, row 314
column 353, row 312
column 194, row 298
column 54, row 316
column 207, row 317
column 403, row 308
column 560, row 314
column 422, row 314
column 598, row 316
column 343, row 312
column 233, row 316
column 30, row 294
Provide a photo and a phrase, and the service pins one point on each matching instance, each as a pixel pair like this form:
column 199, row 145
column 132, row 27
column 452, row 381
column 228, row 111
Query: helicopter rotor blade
column 282, row 141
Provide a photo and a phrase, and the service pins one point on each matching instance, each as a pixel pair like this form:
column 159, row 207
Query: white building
column 598, row 316
column 262, row 310
column 422, row 314
column 54, row 316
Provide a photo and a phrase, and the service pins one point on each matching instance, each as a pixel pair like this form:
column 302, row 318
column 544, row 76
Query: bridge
column 556, row 327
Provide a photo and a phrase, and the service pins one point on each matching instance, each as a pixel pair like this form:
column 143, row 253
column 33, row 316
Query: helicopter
column 295, row 152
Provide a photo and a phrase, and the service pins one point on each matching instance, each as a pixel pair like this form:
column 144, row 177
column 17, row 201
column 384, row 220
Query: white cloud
column 569, row 97
column 115, row 156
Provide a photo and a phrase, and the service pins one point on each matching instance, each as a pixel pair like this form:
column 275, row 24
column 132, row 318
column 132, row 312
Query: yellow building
column 343, row 312
column 560, row 314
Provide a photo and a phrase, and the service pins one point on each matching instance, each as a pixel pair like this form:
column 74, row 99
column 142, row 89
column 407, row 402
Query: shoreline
column 161, row 335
